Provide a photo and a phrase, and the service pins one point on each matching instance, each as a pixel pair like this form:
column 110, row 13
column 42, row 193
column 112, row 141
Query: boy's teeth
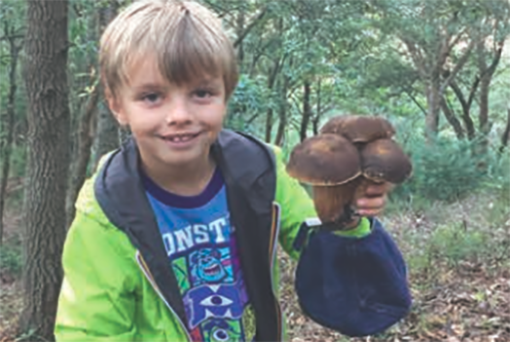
column 180, row 138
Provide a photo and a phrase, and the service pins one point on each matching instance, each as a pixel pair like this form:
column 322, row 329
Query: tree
column 85, row 29
column 45, row 74
column 108, row 132
column 12, row 35
column 430, row 45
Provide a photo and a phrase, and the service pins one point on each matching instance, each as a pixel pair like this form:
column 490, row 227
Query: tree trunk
column 240, row 22
column 79, row 168
column 466, row 105
column 107, row 130
column 433, row 101
column 318, row 114
column 269, row 115
column 452, row 119
column 307, row 110
column 7, row 124
column 486, row 73
column 282, row 113
column 45, row 76
column 506, row 133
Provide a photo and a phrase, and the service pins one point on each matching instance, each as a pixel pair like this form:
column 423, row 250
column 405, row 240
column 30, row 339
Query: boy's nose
column 178, row 113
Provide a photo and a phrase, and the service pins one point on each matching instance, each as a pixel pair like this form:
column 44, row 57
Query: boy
column 175, row 236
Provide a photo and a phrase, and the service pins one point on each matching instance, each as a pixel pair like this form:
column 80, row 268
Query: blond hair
column 186, row 38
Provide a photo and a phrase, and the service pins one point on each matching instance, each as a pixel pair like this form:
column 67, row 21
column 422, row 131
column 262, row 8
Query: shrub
column 11, row 257
column 443, row 170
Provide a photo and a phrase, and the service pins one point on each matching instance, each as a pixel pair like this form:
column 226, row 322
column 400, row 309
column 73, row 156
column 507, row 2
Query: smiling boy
column 175, row 236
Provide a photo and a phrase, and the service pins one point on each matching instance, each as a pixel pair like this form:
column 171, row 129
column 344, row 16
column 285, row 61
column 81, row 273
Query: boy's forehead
column 147, row 68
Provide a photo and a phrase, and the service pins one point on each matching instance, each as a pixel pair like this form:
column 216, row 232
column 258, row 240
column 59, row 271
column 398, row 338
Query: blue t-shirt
column 201, row 246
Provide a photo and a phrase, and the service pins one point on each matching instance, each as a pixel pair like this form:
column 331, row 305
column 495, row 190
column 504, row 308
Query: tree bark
column 45, row 74
column 486, row 73
column 282, row 113
column 452, row 119
column 506, row 134
column 240, row 21
column 466, row 106
column 82, row 142
column 79, row 169
column 433, row 101
column 107, row 130
column 269, row 114
column 8, row 123
column 318, row 114
column 307, row 110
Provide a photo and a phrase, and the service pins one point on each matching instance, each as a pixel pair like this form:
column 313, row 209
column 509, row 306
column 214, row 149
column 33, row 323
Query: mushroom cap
column 324, row 160
column 384, row 160
column 359, row 128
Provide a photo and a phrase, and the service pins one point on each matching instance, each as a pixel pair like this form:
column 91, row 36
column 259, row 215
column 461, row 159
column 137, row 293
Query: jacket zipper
column 275, row 230
column 150, row 278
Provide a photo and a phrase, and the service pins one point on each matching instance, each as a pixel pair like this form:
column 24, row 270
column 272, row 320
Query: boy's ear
column 115, row 106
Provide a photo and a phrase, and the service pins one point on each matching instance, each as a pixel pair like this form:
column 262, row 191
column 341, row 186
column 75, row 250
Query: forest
column 439, row 70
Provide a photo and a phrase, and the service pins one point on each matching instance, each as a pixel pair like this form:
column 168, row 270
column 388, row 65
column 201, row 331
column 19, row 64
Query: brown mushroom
column 384, row 161
column 359, row 128
column 330, row 163
column 324, row 160
column 350, row 153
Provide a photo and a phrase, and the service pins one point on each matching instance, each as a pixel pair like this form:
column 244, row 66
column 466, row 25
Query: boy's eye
column 202, row 93
column 151, row 97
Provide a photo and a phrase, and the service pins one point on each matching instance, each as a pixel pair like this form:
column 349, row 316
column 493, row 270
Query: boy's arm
column 97, row 300
column 355, row 281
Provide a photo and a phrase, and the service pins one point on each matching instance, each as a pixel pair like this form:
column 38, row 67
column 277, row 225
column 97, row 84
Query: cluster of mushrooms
column 349, row 153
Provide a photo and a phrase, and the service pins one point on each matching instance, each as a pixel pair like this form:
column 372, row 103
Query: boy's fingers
column 378, row 189
column 371, row 203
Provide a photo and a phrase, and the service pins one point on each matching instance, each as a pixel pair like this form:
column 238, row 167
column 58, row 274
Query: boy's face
column 173, row 125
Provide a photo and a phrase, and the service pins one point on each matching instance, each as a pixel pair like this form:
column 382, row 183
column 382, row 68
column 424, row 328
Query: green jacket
column 117, row 284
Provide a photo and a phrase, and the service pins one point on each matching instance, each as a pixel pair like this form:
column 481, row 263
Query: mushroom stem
column 330, row 201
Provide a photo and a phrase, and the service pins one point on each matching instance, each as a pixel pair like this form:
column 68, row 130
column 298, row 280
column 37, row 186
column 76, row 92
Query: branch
column 452, row 120
column 457, row 39
column 415, row 100
column 250, row 27
column 495, row 61
column 462, row 60
column 415, row 56
column 466, row 105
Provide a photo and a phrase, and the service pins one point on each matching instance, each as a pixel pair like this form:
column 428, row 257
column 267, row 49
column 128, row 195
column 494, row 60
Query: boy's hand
column 372, row 202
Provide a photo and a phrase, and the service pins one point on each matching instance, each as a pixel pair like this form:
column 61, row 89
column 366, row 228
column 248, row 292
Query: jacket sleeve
column 97, row 300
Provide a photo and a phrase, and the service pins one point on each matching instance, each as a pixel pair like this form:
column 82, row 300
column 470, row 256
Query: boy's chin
column 185, row 158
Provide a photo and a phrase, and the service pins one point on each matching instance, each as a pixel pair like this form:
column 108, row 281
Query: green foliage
column 18, row 161
column 250, row 101
column 11, row 260
column 443, row 170
column 455, row 243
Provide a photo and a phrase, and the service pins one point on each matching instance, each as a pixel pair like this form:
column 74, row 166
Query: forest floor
column 459, row 258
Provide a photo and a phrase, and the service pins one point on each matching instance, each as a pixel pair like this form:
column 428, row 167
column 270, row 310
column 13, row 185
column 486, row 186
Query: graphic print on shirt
column 201, row 245
column 209, row 266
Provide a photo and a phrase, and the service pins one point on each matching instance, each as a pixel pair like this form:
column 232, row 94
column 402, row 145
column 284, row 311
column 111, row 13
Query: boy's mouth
column 179, row 138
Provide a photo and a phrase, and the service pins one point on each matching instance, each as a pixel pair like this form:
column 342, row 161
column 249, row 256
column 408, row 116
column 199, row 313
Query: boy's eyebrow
column 149, row 86
column 209, row 82
column 206, row 82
